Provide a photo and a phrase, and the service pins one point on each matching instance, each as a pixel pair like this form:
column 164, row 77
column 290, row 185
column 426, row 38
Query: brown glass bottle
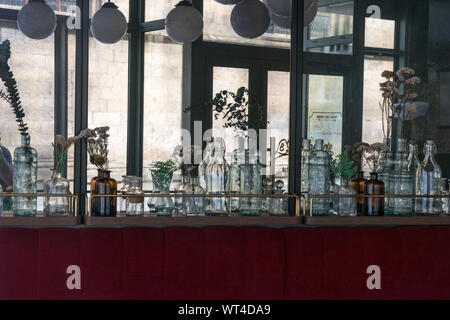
column 357, row 184
column 373, row 206
column 104, row 206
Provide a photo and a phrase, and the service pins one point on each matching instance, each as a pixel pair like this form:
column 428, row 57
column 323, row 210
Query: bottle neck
column 373, row 176
column 25, row 140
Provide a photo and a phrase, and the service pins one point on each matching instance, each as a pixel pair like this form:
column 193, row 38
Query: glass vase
column 401, row 182
column 357, row 183
column 134, row 205
column 162, row 206
column 345, row 206
column 57, row 184
column 319, row 177
column 104, row 206
column 25, row 178
column 373, row 186
column 193, row 206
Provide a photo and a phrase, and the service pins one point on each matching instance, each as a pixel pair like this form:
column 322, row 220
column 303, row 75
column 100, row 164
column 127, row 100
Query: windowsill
column 38, row 221
column 376, row 221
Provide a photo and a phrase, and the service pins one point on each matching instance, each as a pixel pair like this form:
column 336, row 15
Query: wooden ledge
column 377, row 221
column 191, row 221
column 39, row 221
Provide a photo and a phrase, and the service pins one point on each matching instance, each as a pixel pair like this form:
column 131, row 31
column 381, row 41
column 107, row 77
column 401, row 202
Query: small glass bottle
column 428, row 178
column 105, row 206
column 357, row 184
column 57, row 184
column 193, row 206
column 278, row 205
column 25, row 178
column 319, row 174
column 135, row 205
column 217, row 175
column 374, row 186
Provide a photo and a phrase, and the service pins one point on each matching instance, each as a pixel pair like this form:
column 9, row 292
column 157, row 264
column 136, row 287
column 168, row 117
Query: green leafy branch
column 342, row 166
column 60, row 156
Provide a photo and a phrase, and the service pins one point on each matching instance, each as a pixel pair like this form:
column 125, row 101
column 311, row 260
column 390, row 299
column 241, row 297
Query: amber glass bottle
column 357, row 184
column 104, row 185
column 374, row 206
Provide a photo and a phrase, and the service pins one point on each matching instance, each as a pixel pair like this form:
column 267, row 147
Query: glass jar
column 428, row 177
column 57, row 184
column 345, row 206
column 193, row 206
column 251, row 183
column 105, row 206
column 123, row 191
column 217, row 180
column 401, row 182
column 163, row 206
column 278, row 205
column 374, row 186
column 319, row 174
column 134, row 205
column 25, row 178
column 357, row 183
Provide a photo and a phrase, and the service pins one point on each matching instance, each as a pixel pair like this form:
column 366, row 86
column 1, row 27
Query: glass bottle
column 251, row 183
column 25, row 178
column 123, row 191
column 193, row 206
column 105, row 206
column 268, row 189
column 445, row 193
column 205, row 160
column 345, row 206
column 319, row 174
column 401, row 182
column 357, row 184
column 385, row 170
column 306, row 157
column 373, row 186
column 278, row 205
column 428, row 178
column 57, row 184
column 413, row 164
column 163, row 206
column 217, row 179
column 134, row 205
column 181, row 187
column 237, row 158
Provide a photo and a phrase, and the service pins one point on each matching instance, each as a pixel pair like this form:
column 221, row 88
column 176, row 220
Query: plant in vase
column 25, row 157
column 162, row 174
column 343, row 168
column 103, row 184
column 373, row 186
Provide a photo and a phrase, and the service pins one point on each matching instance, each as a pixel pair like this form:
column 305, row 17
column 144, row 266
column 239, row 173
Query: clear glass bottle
column 401, row 182
column 57, row 184
column 413, row 164
column 237, row 159
column 445, row 193
column 181, row 187
column 134, row 205
column 217, row 175
column 204, row 163
column 25, row 178
column 251, row 183
column 319, row 182
column 268, row 189
column 193, row 206
column 385, row 170
column 345, row 206
column 278, row 206
column 428, row 178
column 123, row 191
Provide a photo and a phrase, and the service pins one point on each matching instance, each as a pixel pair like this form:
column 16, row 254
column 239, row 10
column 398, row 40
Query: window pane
column 230, row 79
column 325, row 102
column 108, row 96
column 380, row 33
column 32, row 63
column 60, row 6
column 278, row 120
column 71, row 47
column 162, row 99
column 218, row 28
column 158, row 9
column 372, row 117
column 332, row 29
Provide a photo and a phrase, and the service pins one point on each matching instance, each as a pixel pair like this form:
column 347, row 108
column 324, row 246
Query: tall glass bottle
column 204, row 163
column 251, row 183
column 413, row 164
column 373, row 186
column 25, row 178
column 428, row 178
column 193, row 206
column 319, row 181
column 385, row 170
column 217, row 175
column 237, row 159
column 401, row 182
column 357, row 184
column 57, row 206
column 105, row 206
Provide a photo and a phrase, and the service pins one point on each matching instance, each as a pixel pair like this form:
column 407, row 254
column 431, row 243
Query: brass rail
column 358, row 196
column 298, row 199
column 74, row 198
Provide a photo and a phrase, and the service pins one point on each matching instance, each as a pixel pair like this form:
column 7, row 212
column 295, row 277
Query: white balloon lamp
column 184, row 23
column 36, row 20
column 250, row 19
column 109, row 24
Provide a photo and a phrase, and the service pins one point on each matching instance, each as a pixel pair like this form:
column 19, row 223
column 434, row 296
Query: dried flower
column 372, row 154
column 98, row 146
column 388, row 74
column 413, row 81
column 405, row 72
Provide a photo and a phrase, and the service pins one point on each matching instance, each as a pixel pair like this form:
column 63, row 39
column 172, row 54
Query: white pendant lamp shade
column 184, row 23
column 109, row 24
column 228, row 1
column 250, row 19
column 36, row 20
column 283, row 22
